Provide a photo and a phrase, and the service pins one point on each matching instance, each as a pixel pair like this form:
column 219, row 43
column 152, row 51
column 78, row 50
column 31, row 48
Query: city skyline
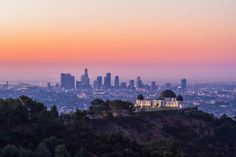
column 153, row 74
column 109, row 81
column 172, row 38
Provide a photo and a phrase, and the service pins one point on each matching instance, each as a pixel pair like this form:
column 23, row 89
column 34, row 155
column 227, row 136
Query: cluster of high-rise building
column 68, row 82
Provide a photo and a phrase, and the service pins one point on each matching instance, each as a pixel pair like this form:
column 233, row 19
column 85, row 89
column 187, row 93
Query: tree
column 97, row 102
column 61, row 151
column 34, row 106
column 121, row 105
column 42, row 151
column 78, row 115
column 54, row 112
column 51, row 143
column 9, row 151
column 99, row 107
column 83, row 153
column 25, row 153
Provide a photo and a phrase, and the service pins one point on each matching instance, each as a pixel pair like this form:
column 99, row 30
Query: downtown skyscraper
column 139, row 83
column 183, row 84
column 67, row 81
column 117, row 82
column 97, row 84
column 85, row 80
column 107, row 81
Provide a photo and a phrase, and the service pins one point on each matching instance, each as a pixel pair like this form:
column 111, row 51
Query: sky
column 157, row 39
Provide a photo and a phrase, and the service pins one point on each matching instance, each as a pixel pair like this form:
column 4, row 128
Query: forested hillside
column 29, row 129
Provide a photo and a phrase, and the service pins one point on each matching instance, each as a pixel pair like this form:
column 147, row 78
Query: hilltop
column 28, row 128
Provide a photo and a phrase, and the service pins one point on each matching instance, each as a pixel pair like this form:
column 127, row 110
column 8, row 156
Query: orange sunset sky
column 167, row 33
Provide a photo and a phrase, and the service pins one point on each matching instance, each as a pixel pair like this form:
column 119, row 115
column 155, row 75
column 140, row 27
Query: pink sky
column 172, row 33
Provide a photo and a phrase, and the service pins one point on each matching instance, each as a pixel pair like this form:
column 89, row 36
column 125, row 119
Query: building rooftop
column 168, row 94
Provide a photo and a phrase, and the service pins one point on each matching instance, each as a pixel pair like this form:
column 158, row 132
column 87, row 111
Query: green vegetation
column 116, row 108
column 29, row 129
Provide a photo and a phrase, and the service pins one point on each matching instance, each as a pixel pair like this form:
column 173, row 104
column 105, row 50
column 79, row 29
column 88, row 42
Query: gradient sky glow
column 195, row 33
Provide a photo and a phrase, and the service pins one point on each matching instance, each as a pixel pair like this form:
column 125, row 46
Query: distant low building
column 167, row 99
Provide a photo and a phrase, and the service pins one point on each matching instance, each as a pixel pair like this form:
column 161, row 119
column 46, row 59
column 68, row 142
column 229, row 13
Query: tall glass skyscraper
column 139, row 82
column 117, row 81
column 85, row 80
column 107, row 81
column 183, row 84
column 99, row 82
column 67, row 81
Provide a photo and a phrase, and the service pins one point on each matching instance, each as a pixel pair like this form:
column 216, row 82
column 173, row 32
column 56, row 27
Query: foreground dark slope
column 193, row 132
column 28, row 129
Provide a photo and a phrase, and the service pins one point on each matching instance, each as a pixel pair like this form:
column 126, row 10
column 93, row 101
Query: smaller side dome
column 179, row 98
column 140, row 97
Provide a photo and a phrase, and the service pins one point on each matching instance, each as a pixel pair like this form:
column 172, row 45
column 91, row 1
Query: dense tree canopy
column 29, row 129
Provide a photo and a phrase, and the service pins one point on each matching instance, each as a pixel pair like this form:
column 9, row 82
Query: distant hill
column 28, row 128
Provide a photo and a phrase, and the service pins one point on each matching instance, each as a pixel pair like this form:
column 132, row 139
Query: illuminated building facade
column 167, row 99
